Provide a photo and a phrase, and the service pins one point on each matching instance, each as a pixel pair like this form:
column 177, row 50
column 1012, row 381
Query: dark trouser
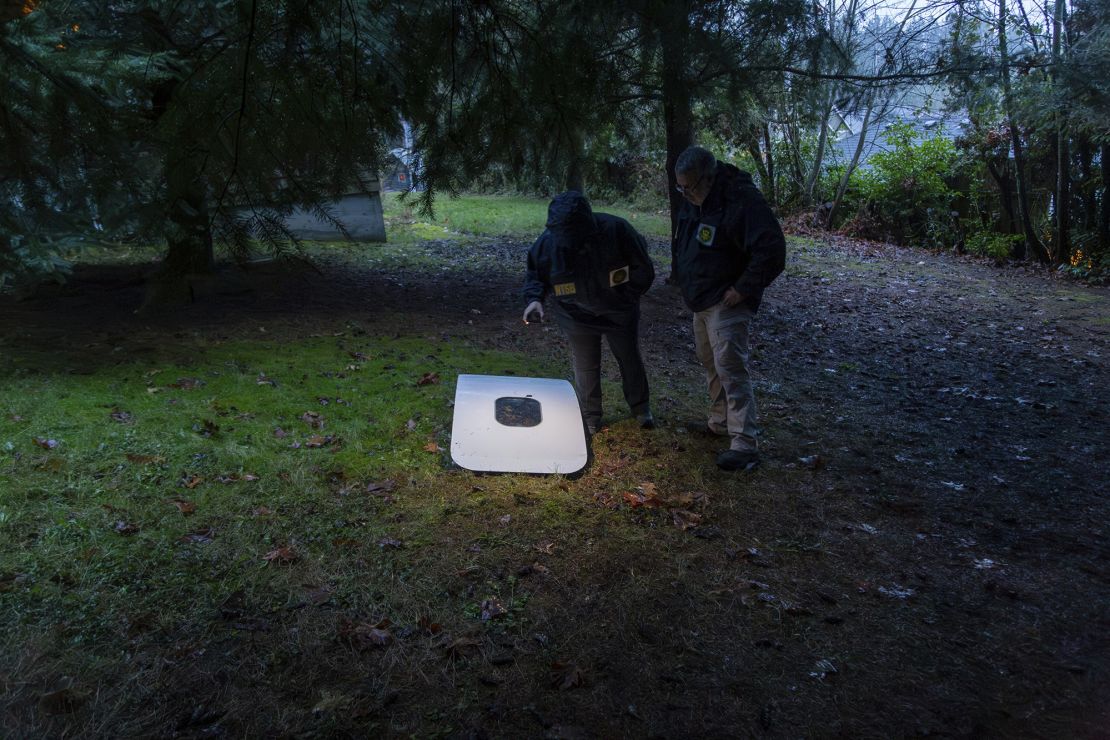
column 585, row 349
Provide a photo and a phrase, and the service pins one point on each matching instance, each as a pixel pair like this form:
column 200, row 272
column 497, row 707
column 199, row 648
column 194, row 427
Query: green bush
column 992, row 244
column 907, row 187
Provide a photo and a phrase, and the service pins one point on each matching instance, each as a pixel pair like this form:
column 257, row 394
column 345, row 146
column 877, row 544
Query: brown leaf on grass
column 547, row 548
column 606, row 499
column 46, row 444
column 280, row 433
column 261, row 511
column 187, row 384
column 201, row 536
column 125, row 528
column 460, row 647
column 362, row 635
column 123, row 417
column 634, row 499
column 492, row 608
column 432, row 447
column 236, row 477
column 185, row 507
column 316, row 441
column 314, row 419
column 566, row 676
column 384, row 486
column 283, row 555
column 145, row 459
column 345, row 542
column 192, row 481
column 427, row 626
column 428, row 379
column 685, row 520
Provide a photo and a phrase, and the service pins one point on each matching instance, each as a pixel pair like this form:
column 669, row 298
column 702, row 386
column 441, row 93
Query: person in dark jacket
column 727, row 248
column 595, row 266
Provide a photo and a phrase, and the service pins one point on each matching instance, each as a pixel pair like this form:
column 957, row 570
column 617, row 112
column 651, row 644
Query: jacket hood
column 569, row 216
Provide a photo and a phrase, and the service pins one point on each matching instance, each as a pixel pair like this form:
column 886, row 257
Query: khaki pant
column 721, row 342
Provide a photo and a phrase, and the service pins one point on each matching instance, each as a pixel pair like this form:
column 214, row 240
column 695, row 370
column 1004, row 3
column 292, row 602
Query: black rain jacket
column 594, row 265
column 732, row 240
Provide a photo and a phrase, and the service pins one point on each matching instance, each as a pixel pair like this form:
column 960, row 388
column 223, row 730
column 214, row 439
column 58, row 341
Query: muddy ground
column 923, row 552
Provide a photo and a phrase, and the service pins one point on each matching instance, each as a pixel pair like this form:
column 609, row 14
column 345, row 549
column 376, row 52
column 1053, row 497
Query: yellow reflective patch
column 706, row 234
column 565, row 289
column 618, row 276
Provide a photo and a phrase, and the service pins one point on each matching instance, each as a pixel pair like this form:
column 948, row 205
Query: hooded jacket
column 732, row 240
column 595, row 265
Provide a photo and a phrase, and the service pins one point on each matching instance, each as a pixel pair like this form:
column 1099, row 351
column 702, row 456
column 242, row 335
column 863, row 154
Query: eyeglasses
column 684, row 189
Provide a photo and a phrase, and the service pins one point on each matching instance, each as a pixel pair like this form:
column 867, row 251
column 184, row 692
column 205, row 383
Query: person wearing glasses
column 595, row 266
column 726, row 249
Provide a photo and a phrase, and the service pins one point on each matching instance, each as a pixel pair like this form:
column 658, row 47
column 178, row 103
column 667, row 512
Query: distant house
column 360, row 213
column 917, row 110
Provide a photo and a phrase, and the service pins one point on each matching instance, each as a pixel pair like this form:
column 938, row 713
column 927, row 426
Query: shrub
column 992, row 244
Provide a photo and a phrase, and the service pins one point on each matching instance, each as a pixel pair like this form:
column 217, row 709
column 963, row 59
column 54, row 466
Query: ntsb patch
column 565, row 289
column 706, row 233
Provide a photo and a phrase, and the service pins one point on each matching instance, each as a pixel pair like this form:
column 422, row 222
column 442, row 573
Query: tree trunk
column 771, row 191
column 677, row 110
column 1005, row 197
column 189, row 259
column 842, row 188
column 819, row 156
column 1031, row 241
column 574, row 178
column 1063, row 157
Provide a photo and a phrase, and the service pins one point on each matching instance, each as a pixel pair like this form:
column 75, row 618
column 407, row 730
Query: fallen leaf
column 46, row 444
column 125, row 528
column 123, row 417
column 363, row 635
column 566, row 676
column 192, row 481
column 206, row 428
column 411, row 425
column 317, row 441
column 384, row 486
column 313, row 419
column 428, row 379
column 201, row 536
column 505, row 519
column 432, row 447
column 282, row 555
column 427, row 625
column 261, row 511
column 388, row 543
column 547, row 548
column 263, row 380
column 318, row 595
column 685, row 520
column 280, row 433
column 185, row 507
column 635, row 499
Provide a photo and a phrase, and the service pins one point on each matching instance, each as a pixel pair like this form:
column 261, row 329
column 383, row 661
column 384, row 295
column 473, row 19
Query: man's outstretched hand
column 535, row 307
column 732, row 297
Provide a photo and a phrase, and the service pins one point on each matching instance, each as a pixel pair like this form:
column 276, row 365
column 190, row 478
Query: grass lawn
column 503, row 216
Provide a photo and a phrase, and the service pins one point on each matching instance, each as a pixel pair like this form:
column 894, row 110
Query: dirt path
column 932, row 540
